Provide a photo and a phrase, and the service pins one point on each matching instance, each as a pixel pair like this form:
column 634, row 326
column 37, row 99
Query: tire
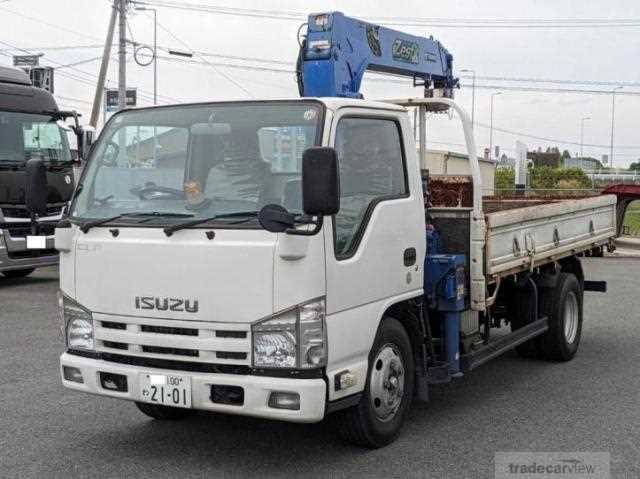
column 164, row 413
column 18, row 273
column 374, row 423
column 522, row 311
column 563, row 307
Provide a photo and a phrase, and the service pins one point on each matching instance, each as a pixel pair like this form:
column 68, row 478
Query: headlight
column 294, row 338
column 77, row 322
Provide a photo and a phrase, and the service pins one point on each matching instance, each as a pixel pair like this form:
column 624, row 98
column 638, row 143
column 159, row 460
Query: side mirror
column 320, row 182
column 86, row 137
column 36, row 188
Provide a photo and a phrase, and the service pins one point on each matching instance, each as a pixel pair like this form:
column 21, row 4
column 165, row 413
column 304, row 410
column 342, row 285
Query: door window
column 371, row 164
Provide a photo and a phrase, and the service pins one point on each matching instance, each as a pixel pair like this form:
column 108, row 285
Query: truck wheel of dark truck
column 157, row 411
column 522, row 311
column 18, row 273
column 377, row 419
column 563, row 307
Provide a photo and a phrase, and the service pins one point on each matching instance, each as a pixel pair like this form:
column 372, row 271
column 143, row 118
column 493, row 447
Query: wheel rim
column 571, row 317
column 386, row 385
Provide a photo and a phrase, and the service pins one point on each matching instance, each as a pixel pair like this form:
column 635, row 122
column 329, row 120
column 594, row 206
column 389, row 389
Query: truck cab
column 277, row 325
column 29, row 128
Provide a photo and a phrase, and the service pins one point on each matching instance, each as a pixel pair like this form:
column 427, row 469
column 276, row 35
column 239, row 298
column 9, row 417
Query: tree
column 635, row 166
column 566, row 154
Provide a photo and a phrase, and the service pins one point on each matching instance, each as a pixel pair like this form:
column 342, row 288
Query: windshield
column 201, row 160
column 25, row 135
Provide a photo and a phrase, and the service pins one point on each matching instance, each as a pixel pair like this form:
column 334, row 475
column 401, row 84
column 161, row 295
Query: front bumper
column 256, row 389
column 13, row 253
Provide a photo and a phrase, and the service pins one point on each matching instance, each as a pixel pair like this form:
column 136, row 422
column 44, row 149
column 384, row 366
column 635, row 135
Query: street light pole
column 122, row 54
column 155, row 50
column 613, row 121
column 582, row 132
column 473, row 95
column 491, row 126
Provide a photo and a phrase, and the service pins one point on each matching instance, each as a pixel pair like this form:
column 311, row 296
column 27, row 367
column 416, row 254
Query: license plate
column 36, row 242
column 169, row 390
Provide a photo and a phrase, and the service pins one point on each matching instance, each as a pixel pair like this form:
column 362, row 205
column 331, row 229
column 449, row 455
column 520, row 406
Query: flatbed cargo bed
column 523, row 237
column 521, row 233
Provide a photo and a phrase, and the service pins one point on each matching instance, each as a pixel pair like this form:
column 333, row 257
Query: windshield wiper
column 169, row 230
column 85, row 227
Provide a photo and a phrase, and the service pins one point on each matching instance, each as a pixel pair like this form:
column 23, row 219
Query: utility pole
column 122, row 55
column 155, row 50
column 491, row 127
column 106, row 54
column 613, row 121
column 582, row 134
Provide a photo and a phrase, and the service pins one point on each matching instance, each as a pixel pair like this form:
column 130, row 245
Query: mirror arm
column 317, row 227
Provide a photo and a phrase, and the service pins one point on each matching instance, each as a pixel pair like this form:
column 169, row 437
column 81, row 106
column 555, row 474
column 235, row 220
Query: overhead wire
column 193, row 52
column 406, row 21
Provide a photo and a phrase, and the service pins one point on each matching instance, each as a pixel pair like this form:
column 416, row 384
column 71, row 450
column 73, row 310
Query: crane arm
column 338, row 50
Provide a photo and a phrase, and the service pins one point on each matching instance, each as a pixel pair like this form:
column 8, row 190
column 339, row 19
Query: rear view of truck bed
column 522, row 237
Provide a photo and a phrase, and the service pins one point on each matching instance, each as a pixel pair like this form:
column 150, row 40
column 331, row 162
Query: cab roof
column 15, row 76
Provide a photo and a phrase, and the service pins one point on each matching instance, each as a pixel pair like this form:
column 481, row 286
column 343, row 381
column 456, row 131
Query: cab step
column 502, row 344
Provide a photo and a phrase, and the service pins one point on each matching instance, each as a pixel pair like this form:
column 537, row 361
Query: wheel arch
column 355, row 357
column 573, row 265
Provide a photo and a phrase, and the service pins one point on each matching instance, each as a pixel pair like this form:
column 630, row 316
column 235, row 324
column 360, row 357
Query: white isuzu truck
column 290, row 260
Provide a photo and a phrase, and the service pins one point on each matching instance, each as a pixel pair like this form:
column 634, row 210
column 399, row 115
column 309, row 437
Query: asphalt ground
column 589, row 404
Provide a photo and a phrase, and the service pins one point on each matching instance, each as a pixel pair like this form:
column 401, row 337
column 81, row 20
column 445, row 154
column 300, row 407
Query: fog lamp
column 284, row 400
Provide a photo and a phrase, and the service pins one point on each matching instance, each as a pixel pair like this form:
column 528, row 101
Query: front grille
column 231, row 334
column 166, row 330
column 111, row 325
column 31, row 253
column 114, row 345
column 16, row 211
column 44, row 229
column 175, row 365
column 173, row 340
column 172, row 351
column 228, row 355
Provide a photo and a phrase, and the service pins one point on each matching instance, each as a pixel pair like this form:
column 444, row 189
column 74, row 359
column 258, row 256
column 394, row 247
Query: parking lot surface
column 510, row 404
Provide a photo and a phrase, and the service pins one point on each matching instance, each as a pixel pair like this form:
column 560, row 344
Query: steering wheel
column 155, row 192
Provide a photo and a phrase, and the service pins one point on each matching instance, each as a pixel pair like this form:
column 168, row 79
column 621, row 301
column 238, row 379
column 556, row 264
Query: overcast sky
column 596, row 54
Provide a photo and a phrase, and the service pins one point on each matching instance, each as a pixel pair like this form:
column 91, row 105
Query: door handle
column 410, row 256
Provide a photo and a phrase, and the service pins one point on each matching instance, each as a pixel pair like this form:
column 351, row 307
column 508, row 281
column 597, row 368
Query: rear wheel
column 563, row 307
column 18, row 273
column 157, row 411
column 377, row 419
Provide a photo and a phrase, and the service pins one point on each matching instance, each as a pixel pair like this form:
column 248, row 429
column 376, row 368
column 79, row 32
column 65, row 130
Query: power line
column 142, row 93
column 553, row 140
column 52, row 25
column 557, row 81
column 406, row 21
column 221, row 73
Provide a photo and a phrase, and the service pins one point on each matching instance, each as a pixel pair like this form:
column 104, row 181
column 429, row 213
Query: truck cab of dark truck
column 36, row 173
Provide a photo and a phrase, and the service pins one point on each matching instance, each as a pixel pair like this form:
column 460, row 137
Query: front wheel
column 377, row 419
column 157, row 411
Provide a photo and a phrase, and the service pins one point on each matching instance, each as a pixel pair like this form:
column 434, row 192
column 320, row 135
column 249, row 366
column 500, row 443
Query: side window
column 371, row 164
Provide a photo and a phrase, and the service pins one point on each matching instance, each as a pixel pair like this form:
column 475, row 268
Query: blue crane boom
column 337, row 50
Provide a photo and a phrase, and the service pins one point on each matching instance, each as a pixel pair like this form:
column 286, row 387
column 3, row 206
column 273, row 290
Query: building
column 584, row 163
